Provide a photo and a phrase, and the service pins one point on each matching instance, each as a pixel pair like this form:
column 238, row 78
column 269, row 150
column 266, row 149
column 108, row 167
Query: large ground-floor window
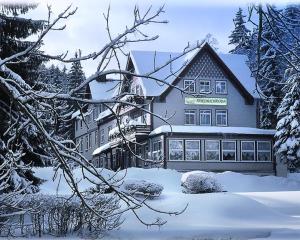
column 156, row 150
column 212, row 150
column 247, row 150
column 192, row 150
column 229, row 150
column 216, row 150
column 175, row 150
column 263, row 151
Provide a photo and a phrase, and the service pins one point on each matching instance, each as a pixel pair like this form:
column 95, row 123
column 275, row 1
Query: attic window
column 189, row 86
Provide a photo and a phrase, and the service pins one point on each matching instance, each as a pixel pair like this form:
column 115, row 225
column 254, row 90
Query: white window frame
column 186, row 85
column 218, row 111
column 185, row 149
column 205, row 150
column 102, row 140
column 254, row 155
column 189, row 112
column 264, row 151
column 209, row 86
column 235, row 153
column 182, row 141
column 221, row 81
column 210, row 117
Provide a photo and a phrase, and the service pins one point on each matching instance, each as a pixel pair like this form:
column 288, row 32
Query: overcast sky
column 189, row 21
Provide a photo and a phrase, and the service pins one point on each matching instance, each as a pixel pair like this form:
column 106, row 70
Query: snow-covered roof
column 238, row 65
column 211, row 129
column 144, row 63
column 101, row 149
column 104, row 90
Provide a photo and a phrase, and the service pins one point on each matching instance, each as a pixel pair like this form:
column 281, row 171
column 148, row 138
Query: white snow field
column 252, row 208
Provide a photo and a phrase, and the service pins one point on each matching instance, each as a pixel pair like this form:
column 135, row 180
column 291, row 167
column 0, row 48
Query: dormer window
column 189, row 86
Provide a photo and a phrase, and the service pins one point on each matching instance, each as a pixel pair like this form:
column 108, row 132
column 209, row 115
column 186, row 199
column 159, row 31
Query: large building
column 212, row 125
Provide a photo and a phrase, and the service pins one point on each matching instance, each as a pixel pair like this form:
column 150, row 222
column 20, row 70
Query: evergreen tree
column 76, row 75
column 13, row 32
column 240, row 35
column 270, row 74
column 292, row 19
column 21, row 144
column 287, row 135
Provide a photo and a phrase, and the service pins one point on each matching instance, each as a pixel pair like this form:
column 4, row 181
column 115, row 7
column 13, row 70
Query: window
column 204, row 86
column 90, row 140
column 189, row 86
column 205, row 117
column 102, row 136
column 86, row 142
column 76, row 125
column 190, row 117
column 229, row 150
column 248, row 151
column 156, row 150
column 221, row 117
column 221, row 87
column 96, row 137
column 109, row 128
column 192, row 150
column 95, row 112
column 80, row 123
column 212, row 150
column 175, row 150
column 81, row 144
column 264, row 151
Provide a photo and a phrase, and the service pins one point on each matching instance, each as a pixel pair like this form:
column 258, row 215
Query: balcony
column 134, row 129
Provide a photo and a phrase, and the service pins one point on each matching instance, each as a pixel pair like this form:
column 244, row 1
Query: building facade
column 199, row 112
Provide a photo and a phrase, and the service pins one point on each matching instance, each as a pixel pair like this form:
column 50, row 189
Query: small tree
column 240, row 35
column 76, row 75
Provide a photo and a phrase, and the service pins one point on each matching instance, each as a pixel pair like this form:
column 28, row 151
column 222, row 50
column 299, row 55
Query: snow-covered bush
column 199, row 182
column 143, row 187
column 59, row 216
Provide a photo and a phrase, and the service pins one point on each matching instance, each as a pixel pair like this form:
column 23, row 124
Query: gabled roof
column 234, row 65
column 99, row 90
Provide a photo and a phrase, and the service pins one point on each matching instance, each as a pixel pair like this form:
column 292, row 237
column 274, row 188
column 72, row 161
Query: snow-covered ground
column 252, row 208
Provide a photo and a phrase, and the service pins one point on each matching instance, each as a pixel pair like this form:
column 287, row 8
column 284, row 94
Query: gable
column 205, row 67
column 208, row 64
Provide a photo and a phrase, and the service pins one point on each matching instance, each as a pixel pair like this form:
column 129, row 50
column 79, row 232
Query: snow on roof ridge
column 211, row 129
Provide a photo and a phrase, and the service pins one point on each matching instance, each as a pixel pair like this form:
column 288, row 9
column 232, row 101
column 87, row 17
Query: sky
column 188, row 21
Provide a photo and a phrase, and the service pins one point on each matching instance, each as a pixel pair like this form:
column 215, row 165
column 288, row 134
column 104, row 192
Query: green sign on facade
column 206, row 101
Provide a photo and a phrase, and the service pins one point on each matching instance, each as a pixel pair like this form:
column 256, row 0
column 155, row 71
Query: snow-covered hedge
column 59, row 216
column 200, row 182
column 142, row 187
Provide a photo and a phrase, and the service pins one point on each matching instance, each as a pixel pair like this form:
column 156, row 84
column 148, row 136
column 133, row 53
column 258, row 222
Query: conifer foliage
column 240, row 35
column 76, row 75
column 288, row 127
column 20, row 143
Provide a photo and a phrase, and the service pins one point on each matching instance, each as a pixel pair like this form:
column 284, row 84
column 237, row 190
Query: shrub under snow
column 143, row 187
column 62, row 215
column 199, row 182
